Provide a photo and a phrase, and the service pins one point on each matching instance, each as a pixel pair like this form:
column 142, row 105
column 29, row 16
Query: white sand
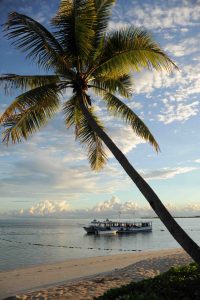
column 87, row 277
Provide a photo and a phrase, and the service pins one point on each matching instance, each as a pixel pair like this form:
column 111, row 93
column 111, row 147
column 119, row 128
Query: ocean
column 28, row 242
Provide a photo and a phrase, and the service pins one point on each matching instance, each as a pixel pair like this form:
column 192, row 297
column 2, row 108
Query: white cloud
column 135, row 105
column 179, row 91
column 187, row 46
column 197, row 160
column 117, row 25
column 185, row 82
column 125, row 138
column 108, row 208
column 176, row 50
column 166, row 15
column 193, row 208
column 178, row 112
column 147, row 81
column 165, row 173
column 47, row 173
column 48, row 208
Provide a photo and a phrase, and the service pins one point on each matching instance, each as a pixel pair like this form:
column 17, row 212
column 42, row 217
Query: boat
column 112, row 227
column 105, row 228
column 91, row 228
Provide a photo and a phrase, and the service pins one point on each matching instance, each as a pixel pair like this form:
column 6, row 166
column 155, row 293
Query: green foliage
column 118, row 108
column 131, row 49
column 122, row 85
column 180, row 283
column 84, row 133
column 23, row 82
column 103, row 12
column 75, row 23
column 30, row 36
column 29, row 112
column 81, row 55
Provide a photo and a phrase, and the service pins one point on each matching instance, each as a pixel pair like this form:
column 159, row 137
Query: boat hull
column 134, row 230
column 106, row 232
column 89, row 230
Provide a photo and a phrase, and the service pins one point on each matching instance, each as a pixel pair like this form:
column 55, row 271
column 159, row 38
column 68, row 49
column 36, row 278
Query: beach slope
column 87, row 277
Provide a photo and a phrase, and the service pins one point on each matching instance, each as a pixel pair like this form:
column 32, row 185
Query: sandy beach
column 87, row 277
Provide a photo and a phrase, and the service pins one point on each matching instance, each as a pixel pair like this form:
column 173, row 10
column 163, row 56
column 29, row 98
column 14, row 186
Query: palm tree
column 81, row 55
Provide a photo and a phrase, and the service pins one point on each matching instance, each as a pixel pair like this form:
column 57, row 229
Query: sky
column 50, row 175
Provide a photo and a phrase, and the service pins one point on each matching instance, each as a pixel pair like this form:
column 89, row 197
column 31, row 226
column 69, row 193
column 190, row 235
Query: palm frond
column 25, row 82
column 96, row 153
column 103, row 11
column 72, row 113
column 123, row 86
column 30, row 36
column 74, row 22
column 40, row 97
column 120, row 109
column 32, row 110
column 131, row 49
column 84, row 133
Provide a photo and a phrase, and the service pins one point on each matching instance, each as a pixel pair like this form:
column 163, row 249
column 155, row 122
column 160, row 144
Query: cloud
column 124, row 137
column 197, row 160
column 178, row 112
column 165, row 15
column 187, row 46
column 112, row 208
column 147, row 81
column 38, row 172
column 176, row 50
column 179, row 93
column 52, row 164
column 112, row 25
column 49, row 208
column 165, row 173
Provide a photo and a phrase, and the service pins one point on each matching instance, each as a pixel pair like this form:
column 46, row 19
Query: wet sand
column 86, row 278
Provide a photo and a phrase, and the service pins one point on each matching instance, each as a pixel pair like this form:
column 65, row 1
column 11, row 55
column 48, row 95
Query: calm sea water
column 26, row 242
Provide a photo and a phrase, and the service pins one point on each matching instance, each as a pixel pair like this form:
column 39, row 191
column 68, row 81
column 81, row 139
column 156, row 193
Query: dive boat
column 112, row 227
column 90, row 228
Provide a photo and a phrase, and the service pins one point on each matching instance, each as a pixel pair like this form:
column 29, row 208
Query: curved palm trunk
column 174, row 228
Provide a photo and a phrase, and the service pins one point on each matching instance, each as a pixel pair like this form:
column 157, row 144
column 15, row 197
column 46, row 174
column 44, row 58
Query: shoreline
column 69, row 273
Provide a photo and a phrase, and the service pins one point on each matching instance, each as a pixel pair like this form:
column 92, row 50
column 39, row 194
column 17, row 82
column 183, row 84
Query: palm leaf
column 123, row 86
column 96, row 154
column 72, row 113
column 131, row 50
column 75, row 21
column 84, row 133
column 32, row 37
column 25, row 82
column 36, row 97
column 103, row 12
column 31, row 111
column 120, row 109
